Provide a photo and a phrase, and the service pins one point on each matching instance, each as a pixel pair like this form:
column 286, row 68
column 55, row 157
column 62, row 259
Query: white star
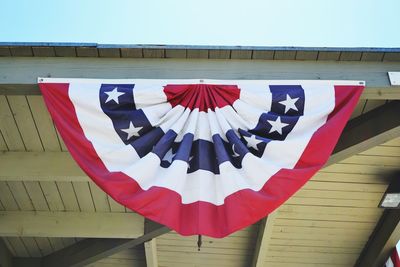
column 277, row 125
column 289, row 103
column 113, row 95
column 132, row 130
column 169, row 156
column 252, row 141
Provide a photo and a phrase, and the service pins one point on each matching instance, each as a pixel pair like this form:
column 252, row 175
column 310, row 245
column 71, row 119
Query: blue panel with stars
column 286, row 108
column 287, row 100
column 117, row 102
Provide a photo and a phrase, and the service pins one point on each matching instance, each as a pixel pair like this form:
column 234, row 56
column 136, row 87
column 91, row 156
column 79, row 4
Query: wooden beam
column 43, row 166
column 24, row 262
column 373, row 128
column 70, row 224
column 5, row 255
column 150, row 248
column 91, row 250
column 19, row 75
column 263, row 238
column 382, row 241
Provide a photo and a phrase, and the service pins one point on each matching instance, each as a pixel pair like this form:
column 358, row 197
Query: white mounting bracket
column 394, row 78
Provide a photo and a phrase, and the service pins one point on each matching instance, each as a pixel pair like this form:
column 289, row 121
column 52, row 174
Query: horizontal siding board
column 328, row 202
column 390, row 151
column 5, row 51
column 285, row 55
column 175, row 53
column 381, row 161
column 340, row 195
column 43, row 51
column 219, row 54
column 372, row 56
column 87, row 52
column 348, row 178
column 132, row 52
column 241, row 54
column 325, row 55
column 153, row 53
column 109, row 52
column 347, row 187
column 65, row 51
column 197, row 53
column 350, row 56
column 394, row 142
column 358, row 168
column 324, row 224
column 336, row 211
column 391, row 56
column 21, row 51
column 306, row 55
column 268, row 55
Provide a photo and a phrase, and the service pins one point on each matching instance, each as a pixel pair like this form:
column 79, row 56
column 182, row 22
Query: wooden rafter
column 5, row 255
column 382, row 241
column 264, row 235
column 88, row 251
column 150, row 248
column 368, row 130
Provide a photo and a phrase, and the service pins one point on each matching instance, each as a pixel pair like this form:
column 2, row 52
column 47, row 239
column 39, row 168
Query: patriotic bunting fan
column 200, row 156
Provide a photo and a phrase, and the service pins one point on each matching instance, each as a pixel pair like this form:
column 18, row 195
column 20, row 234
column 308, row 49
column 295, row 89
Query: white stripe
column 98, row 128
column 200, row 185
column 389, row 263
column 319, row 103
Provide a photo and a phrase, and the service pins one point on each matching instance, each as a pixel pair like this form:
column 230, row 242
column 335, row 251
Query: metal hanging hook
column 199, row 242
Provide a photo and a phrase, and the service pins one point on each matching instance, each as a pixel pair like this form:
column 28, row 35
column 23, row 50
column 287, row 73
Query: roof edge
column 203, row 47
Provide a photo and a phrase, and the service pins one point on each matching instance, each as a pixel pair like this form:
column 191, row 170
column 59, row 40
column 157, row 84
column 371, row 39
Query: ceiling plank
column 5, row 255
column 150, row 248
column 88, row 251
column 382, row 241
column 368, row 130
column 263, row 238
column 70, row 224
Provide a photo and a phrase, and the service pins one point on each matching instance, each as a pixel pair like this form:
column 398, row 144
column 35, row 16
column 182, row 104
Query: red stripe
column 395, row 258
column 162, row 205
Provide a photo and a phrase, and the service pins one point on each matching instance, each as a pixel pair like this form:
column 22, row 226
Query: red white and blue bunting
column 200, row 156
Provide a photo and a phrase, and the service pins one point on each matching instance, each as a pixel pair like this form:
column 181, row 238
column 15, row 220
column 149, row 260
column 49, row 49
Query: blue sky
column 320, row 23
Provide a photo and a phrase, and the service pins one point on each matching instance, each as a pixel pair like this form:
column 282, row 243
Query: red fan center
column 201, row 96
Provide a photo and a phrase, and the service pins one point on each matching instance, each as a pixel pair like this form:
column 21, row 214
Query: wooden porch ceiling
column 327, row 222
